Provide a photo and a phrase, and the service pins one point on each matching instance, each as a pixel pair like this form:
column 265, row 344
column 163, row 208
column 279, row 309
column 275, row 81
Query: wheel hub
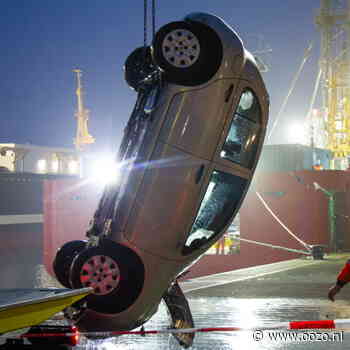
column 181, row 48
column 100, row 273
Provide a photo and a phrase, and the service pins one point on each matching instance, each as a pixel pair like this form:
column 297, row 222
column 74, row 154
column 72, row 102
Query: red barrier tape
column 326, row 324
column 321, row 324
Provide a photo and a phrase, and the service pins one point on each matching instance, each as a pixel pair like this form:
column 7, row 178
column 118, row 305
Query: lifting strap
column 145, row 28
column 145, row 23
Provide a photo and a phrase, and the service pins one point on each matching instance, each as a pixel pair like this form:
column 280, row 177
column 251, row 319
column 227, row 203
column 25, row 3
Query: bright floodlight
column 297, row 134
column 54, row 165
column 41, row 165
column 105, row 170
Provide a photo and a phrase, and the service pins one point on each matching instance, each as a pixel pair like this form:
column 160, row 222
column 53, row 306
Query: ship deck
column 220, row 279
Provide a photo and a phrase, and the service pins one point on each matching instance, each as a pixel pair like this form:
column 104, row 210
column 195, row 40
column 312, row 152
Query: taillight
column 75, row 337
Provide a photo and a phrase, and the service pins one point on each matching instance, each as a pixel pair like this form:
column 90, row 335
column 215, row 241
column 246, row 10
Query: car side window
column 241, row 143
column 219, row 203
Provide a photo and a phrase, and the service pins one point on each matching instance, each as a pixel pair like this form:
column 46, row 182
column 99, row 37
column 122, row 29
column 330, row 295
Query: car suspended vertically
column 187, row 158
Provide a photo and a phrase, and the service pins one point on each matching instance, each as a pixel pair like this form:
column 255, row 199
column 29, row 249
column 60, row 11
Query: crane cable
column 153, row 19
column 145, row 24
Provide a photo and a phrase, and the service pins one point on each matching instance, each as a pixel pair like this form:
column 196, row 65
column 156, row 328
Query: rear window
column 242, row 140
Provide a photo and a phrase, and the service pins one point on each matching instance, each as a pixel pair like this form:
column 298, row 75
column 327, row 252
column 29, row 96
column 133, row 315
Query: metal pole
column 331, row 218
column 331, row 214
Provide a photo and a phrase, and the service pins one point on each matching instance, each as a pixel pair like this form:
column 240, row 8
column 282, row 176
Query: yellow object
column 228, row 242
column 335, row 67
column 22, row 314
column 82, row 135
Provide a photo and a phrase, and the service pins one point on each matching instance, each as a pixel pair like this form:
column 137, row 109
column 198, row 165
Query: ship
column 299, row 198
column 284, row 213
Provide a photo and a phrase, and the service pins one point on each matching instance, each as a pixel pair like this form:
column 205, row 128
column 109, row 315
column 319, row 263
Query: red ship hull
column 65, row 207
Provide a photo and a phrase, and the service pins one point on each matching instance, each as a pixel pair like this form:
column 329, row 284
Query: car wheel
column 115, row 272
column 189, row 53
column 64, row 258
column 138, row 66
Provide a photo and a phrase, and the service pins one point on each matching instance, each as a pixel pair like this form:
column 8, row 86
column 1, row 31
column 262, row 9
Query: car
column 188, row 155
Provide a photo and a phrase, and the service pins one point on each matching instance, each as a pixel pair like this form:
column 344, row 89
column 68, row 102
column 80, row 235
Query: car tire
column 188, row 53
column 138, row 66
column 64, row 258
column 121, row 280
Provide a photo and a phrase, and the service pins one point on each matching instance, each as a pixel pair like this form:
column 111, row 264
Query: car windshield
column 219, row 203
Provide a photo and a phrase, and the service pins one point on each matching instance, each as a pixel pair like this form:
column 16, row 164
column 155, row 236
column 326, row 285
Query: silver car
column 186, row 161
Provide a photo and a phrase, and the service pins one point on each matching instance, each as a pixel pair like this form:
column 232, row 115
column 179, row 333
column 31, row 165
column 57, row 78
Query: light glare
column 105, row 171
column 54, row 166
column 297, row 134
column 42, row 165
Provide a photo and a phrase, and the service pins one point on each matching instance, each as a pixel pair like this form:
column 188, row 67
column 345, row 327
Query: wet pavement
column 261, row 296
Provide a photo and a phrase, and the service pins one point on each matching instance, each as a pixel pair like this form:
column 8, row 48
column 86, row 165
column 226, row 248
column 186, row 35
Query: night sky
column 43, row 40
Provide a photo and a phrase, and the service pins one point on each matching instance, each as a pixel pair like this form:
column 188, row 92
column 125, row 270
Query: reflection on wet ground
column 228, row 311
column 297, row 294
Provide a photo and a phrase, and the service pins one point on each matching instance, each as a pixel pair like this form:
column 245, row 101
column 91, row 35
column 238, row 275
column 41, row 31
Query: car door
column 232, row 168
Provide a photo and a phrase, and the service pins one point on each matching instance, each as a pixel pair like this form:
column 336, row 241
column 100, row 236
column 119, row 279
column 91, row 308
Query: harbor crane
column 333, row 22
column 82, row 135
